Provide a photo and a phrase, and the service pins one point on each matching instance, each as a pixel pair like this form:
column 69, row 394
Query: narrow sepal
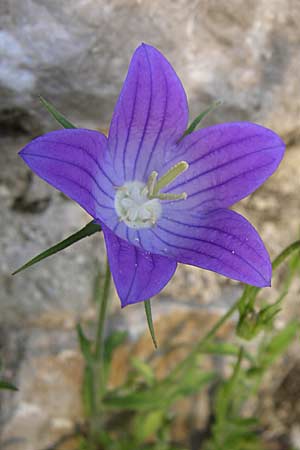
column 148, row 311
column 192, row 127
column 60, row 118
column 87, row 230
column 4, row 384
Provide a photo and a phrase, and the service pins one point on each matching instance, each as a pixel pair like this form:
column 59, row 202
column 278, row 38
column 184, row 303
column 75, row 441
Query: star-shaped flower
column 162, row 198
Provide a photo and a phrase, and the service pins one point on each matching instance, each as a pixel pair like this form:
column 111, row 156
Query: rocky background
column 75, row 54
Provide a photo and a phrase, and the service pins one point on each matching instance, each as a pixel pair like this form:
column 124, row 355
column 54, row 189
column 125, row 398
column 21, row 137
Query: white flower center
column 138, row 204
column 134, row 207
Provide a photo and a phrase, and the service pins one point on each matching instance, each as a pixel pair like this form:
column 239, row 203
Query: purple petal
column 221, row 241
column 73, row 162
column 227, row 163
column 138, row 275
column 150, row 116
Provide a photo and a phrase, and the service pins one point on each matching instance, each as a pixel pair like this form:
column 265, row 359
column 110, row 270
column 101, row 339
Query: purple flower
column 161, row 199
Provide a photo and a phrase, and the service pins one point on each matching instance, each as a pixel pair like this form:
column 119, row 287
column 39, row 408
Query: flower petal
column 221, row 241
column 73, row 162
column 150, row 116
column 227, row 163
column 138, row 275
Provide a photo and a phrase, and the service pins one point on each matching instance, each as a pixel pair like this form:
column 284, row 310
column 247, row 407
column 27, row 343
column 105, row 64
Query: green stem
column 99, row 347
column 186, row 362
column 98, row 368
column 249, row 291
column 285, row 253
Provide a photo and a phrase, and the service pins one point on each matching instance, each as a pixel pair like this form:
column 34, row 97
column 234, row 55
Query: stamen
column 138, row 204
column 182, row 196
column 170, row 176
column 151, row 182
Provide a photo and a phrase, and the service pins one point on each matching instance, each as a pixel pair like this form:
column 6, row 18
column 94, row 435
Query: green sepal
column 87, row 230
column 199, row 118
column 7, row 385
column 148, row 311
column 61, row 119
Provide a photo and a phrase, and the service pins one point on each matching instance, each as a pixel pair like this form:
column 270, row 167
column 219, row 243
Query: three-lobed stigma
column 138, row 205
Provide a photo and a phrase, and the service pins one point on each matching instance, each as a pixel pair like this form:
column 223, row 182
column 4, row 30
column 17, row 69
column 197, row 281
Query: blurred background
column 75, row 54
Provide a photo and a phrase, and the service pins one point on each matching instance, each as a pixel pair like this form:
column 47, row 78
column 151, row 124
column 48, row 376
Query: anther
column 151, row 183
column 170, row 176
column 182, row 196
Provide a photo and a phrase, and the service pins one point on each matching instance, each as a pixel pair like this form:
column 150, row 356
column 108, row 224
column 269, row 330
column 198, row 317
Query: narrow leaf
column 7, row 385
column 224, row 348
column 199, row 118
column 285, row 254
column 88, row 230
column 146, row 425
column 250, row 292
column 113, row 341
column 85, row 345
column 88, row 391
column 150, row 322
column 278, row 344
column 56, row 115
column 144, row 370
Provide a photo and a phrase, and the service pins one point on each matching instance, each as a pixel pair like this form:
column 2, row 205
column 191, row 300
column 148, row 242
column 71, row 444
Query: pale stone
column 76, row 55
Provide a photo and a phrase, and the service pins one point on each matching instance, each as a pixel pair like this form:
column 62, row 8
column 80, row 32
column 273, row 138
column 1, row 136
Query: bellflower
column 162, row 198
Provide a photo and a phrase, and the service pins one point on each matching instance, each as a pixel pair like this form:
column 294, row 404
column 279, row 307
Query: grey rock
column 76, row 54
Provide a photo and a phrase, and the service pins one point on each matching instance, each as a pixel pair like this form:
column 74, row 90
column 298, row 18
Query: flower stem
column 186, row 362
column 249, row 292
column 99, row 344
column 98, row 369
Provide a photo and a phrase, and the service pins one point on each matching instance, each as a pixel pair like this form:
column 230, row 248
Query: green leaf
column 144, row 370
column 7, row 385
column 114, row 340
column 85, row 345
column 247, row 324
column 88, row 230
column 111, row 343
column 192, row 383
column 278, row 344
column 160, row 396
column 224, row 348
column 295, row 246
column 88, row 391
column 199, row 118
column 150, row 322
column 146, row 425
column 154, row 398
column 65, row 123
